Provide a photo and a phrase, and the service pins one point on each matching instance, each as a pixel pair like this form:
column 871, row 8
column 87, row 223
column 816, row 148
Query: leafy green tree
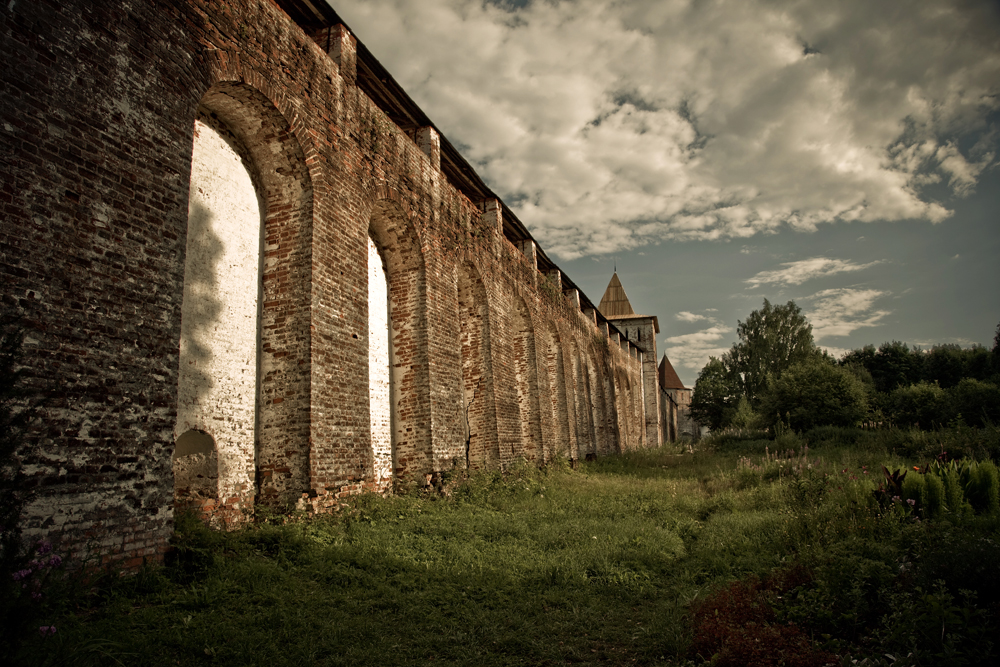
column 922, row 404
column 815, row 392
column 978, row 402
column 772, row 339
column 945, row 365
column 896, row 365
column 995, row 353
column 715, row 396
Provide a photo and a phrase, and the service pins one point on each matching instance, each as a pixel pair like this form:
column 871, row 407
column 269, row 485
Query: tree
column 977, row 402
column 923, row 404
column 715, row 396
column 996, row 352
column 771, row 340
column 815, row 392
column 895, row 365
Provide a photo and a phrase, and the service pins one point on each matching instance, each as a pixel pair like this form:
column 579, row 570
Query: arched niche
column 379, row 365
column 196, row 470
column 580, row 402
column 613, row 439
column 526, row 380
column 244, row 348
column 395, row 246
column 478, row 403
column 558, row 401
column 594, row 403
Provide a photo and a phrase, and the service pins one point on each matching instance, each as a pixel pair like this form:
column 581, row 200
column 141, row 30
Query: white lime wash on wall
column 217, row 384
column 378, row 365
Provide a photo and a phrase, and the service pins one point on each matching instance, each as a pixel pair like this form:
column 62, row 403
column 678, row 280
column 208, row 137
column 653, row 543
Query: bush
column 922, row 405
column 815, row 393
column 977, row 402
column 915, row 490
column 983, row 487
column 935, row 496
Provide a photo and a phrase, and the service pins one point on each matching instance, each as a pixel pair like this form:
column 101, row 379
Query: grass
column 608, row 564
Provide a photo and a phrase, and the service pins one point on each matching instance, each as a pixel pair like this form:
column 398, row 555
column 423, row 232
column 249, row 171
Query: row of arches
column 246, row 410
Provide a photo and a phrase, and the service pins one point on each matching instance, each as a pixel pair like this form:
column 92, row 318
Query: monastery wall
column 252, row 272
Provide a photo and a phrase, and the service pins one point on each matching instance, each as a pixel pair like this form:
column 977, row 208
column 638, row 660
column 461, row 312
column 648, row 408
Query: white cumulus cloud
column 693, row 350
column 796, row 273
column 685, row 316
column 838, row 312
column 607, row 126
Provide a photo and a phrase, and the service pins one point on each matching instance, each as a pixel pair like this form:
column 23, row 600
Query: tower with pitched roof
column 679, row 399
column 640, row 330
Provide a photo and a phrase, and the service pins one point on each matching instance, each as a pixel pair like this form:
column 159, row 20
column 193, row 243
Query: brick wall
column 489, row 360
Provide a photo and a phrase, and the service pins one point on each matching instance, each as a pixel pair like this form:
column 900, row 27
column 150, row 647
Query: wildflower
column 35, row 595
column 47, row 630
column 917, row 468
column 55, row 561
column 896, row 499
column 21, row 574
column 911, row 501
column 43, row 548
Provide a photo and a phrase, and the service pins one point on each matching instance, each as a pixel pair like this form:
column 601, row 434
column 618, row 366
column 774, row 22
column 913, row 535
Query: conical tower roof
column 615, row 302
column 668, row 376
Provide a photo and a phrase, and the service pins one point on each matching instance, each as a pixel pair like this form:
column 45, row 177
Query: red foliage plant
column 736, row 626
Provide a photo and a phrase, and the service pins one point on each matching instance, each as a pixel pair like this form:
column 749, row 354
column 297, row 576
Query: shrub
column 815, row 393
column 983, row 487
column 935, row 496
column 954, row 495
column 977, row 402
column 915, row 490
column 923, row 405
column 737, row 626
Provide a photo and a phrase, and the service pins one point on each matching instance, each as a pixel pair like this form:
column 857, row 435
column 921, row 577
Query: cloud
column 693, row 350
column 608, row 126
column 838, row 312
column 796, row 273
column 685, row 316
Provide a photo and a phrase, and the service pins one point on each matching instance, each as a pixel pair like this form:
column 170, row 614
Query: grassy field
column 658, row 557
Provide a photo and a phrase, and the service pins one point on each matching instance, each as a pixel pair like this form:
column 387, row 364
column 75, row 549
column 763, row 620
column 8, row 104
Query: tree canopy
column 771, row 340
column 815, row 392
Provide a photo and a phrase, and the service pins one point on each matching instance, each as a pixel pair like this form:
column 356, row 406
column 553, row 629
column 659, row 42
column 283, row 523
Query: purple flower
column 46, row 630
column 895, row 499
column 55, row 561
column 21, row 574
column 35, row 595
column 42, row 549
column 911, row 501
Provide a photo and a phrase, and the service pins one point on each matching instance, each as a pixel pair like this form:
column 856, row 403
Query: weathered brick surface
column 96, row 129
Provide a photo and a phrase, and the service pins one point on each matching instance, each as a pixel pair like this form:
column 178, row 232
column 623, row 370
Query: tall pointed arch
column 478, row 404
column 526, row 379
column 558, row 400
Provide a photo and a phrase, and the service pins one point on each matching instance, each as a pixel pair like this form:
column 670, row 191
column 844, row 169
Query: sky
column 842, row 154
